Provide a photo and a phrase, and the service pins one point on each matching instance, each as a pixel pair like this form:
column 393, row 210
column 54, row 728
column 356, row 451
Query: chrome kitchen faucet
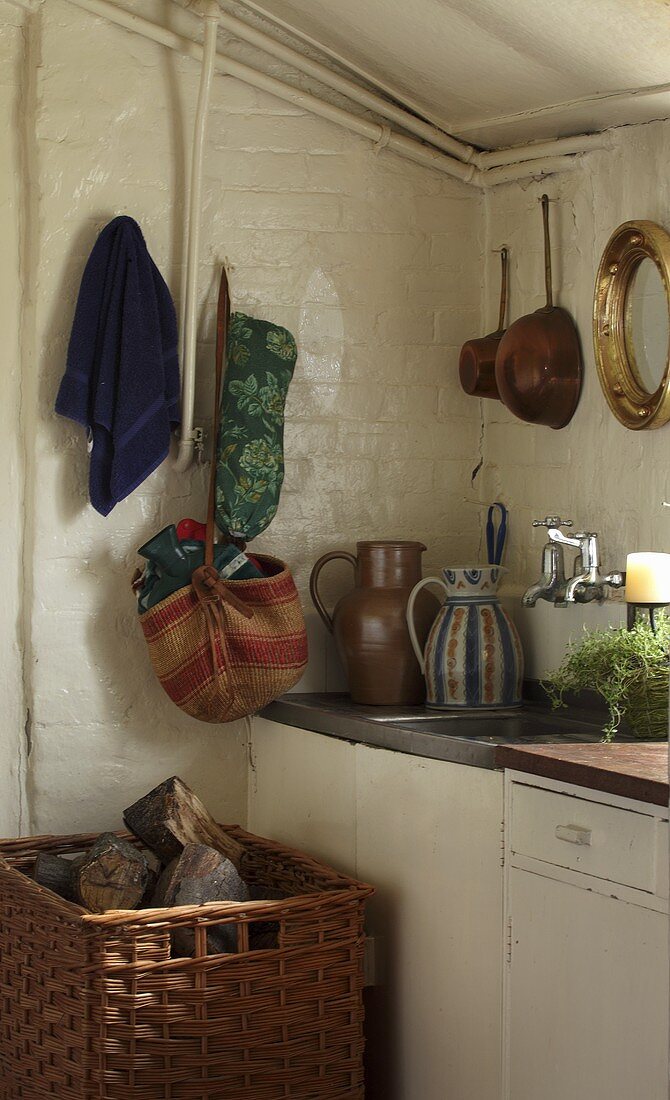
column 586, row 583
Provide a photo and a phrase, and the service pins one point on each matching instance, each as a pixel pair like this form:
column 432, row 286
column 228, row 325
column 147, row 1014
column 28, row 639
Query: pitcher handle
column 314, row 576
column 410, row 616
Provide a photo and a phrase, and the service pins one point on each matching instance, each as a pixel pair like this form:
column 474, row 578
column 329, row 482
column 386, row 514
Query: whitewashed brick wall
column 606, row 478
column 366, row 258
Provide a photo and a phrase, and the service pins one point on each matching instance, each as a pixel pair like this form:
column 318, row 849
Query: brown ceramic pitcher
column 369, row 623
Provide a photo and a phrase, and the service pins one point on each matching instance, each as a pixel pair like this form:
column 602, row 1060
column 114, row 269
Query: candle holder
column 632, row 609
column 647, row 584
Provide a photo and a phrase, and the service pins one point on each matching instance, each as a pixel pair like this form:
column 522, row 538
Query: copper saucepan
column 538, row 367
column 476, row 365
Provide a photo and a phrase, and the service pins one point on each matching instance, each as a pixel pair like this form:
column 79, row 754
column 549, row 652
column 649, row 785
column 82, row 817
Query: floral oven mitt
column 250, row 447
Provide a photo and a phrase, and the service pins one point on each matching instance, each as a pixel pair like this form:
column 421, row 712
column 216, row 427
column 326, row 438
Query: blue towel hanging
column 122, row 376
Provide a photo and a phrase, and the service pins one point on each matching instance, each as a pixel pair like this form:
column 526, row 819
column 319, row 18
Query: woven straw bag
column 225, row 649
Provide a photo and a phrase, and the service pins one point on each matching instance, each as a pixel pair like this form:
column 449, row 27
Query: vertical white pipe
column 187, row 435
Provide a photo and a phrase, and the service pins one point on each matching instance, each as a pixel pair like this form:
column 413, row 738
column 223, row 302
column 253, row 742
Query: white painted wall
column 12, row 235
column 366, row 258
column 596, row 472
column 375, row 265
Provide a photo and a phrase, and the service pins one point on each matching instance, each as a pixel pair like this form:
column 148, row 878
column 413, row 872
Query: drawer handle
column 573, row 834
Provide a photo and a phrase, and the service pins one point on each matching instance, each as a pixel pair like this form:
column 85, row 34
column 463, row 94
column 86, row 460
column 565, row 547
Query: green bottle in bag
column 171, row 562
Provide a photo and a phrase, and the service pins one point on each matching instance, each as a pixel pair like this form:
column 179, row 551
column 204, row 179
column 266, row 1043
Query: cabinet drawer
column 609, row 843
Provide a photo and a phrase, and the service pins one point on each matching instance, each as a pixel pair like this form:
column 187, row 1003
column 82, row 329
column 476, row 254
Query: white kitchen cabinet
column 427, row 834
column 586, row 976
column 525, row 965
column 302, row 791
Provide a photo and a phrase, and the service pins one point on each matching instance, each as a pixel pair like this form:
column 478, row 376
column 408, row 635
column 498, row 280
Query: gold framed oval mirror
column 631, row 324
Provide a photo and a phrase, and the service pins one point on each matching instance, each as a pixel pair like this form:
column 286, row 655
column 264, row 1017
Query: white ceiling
column 494, row 71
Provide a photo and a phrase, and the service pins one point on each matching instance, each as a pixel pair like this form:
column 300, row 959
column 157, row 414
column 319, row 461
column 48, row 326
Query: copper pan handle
column 313, row 586
column 547, row 252
column 503, row 289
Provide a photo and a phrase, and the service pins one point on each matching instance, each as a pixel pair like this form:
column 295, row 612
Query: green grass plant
column 628, row 668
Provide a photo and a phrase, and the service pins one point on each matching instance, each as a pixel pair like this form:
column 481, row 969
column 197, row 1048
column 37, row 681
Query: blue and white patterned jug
column 473, row 655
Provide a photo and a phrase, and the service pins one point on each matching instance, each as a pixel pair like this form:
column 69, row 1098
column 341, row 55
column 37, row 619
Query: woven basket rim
column 344, row 887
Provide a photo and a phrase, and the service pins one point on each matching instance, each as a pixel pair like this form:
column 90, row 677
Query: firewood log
column 172, row 816
column 57, row 874
column 113, row 875
column 160, row 889
column 200, row 875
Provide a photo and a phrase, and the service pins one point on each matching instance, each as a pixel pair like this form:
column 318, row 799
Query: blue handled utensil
column 495, row 539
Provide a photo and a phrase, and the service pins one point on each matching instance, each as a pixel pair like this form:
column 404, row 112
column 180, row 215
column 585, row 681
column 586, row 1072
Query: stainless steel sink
column 403, row 718
column 528, row 724
column 465, row 737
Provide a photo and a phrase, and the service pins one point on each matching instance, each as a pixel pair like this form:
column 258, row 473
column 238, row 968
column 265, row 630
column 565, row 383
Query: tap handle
column 552, row 521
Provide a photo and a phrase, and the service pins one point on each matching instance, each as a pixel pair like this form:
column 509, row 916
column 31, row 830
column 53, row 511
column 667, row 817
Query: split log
column 201, row 875
column 162, row 884
column 113, row 875
column 171, row 816
column 153, row 876
column 57, row 874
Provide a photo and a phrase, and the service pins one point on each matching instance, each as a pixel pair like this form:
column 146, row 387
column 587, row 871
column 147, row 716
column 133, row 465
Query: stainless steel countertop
column 463, row 737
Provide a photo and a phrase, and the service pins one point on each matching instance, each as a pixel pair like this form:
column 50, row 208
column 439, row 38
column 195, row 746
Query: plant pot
column 647, row 709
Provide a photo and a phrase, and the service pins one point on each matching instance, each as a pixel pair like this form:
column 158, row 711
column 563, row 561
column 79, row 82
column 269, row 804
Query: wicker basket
column 93, row 1006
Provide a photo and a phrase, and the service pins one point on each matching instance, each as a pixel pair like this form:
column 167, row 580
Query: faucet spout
column 551, row 585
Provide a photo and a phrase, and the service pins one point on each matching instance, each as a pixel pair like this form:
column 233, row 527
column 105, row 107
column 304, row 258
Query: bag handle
column 222, row 322
column 205, row 580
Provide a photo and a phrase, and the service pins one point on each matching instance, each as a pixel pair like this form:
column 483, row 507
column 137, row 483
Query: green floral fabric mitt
column 250, row 447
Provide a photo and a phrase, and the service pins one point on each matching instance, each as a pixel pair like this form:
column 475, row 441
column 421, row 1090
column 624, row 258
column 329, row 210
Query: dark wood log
column 113, row 875
column 201, row 875
column 153, row 876
column 164, row 880
column 172, row 816
column 57, row 874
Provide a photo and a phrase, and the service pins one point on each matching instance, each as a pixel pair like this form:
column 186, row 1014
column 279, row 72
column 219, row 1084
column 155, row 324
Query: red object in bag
column 191, row 529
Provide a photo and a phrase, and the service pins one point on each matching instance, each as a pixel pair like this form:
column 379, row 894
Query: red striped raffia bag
column 225, row 649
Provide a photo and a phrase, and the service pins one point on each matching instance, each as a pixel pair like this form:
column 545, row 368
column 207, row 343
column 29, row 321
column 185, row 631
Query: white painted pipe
column 380, row 106
column 528, row 169
column 346, row 63
column 426, row 131
column 381, row 135
column 187, row 435
column 517, row 154
column 374, row 131
column 358, row 94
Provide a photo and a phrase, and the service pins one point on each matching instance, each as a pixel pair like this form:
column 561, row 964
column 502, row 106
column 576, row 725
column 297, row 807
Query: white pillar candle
column 648, row 578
